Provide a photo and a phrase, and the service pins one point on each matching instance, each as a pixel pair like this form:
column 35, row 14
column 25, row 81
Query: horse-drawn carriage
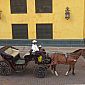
column 10, row 61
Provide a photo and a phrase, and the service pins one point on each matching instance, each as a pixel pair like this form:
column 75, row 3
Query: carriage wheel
column 40, row 71
column 5, row 69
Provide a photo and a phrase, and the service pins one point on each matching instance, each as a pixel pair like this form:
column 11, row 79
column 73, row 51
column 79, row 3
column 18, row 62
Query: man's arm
column 36, row 48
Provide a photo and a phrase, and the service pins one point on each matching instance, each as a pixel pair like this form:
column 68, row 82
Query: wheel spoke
column 5, row 69
column 40, row 71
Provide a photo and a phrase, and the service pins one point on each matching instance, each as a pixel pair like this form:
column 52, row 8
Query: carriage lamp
column 0, row 14
column 67, row 13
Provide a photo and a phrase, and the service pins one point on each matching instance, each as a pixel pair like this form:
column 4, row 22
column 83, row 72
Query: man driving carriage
column 38, row 52
column 34, row 47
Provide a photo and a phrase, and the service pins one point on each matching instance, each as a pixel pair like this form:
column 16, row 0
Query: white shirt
column 34, row 48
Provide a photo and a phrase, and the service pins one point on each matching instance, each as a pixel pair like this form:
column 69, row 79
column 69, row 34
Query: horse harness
column 66, row 56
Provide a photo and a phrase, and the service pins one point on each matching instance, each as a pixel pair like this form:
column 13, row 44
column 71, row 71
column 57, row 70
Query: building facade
column 45, row 20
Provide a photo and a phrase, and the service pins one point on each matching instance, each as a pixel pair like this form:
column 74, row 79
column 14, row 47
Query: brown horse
column 67, row 59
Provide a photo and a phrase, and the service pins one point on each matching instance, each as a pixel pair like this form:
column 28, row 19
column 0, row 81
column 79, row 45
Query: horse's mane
column 77, row 51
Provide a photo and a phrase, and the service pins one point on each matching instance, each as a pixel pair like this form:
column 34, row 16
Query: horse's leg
column 56, row 73
column 68, row 70
column 52, row 69
column 73, row 67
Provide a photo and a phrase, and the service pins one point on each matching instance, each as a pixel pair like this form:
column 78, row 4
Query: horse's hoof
column 73, row 74
column 66, row 73
column 56, row 73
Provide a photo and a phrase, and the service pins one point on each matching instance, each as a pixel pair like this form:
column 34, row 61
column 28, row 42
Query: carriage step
column 17, row 71
column 21, row 61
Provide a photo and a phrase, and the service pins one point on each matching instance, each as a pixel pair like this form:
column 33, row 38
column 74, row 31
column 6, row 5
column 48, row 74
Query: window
column 43, row 6
column 18, row 6
column 20, row 31
column 44, row 31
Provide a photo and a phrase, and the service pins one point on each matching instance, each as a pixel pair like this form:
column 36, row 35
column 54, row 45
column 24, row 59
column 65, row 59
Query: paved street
column 27, row 77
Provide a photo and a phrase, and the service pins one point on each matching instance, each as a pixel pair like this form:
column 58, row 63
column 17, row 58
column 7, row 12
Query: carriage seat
column 27, row 54
column 12, row 52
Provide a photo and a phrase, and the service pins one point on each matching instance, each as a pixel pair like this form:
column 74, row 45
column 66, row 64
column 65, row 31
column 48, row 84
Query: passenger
column 34, row 47
column 41, row 49
column 42, row 52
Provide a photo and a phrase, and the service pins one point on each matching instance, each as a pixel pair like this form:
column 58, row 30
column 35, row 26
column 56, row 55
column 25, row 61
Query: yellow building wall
column 62, row 28
column 84, row 21
column 72, row 28
column 5, row 27
column 84, row 32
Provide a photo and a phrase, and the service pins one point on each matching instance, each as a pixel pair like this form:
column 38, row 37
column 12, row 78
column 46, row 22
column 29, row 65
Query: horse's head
column 83, row 52
column 77, row 52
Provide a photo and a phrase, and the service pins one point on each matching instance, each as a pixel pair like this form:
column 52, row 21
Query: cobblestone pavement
column 27, row 77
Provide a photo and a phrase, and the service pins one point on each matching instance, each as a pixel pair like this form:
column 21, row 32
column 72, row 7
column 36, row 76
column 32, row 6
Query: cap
column 40, row 46
column 34, row 41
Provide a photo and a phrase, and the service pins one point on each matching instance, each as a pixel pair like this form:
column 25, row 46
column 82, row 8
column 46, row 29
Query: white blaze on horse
column 67, row 59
